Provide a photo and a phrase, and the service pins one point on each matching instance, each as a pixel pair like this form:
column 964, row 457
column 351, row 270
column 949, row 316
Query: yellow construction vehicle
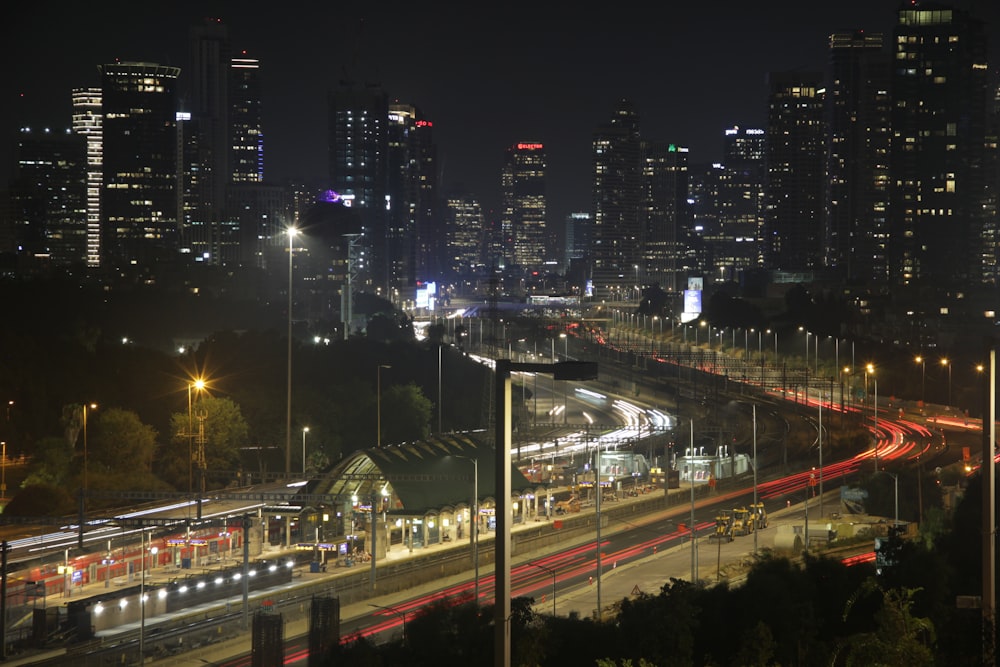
column 723, row 526
column 743, row 523
column 572, row 504
column 759, row 515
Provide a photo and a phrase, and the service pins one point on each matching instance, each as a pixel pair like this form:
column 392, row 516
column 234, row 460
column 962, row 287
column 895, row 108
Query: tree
column 120, row 442
column 51, row 462
column 225, row 432
column 899, row 638
column 41, row 500
column 409, row 413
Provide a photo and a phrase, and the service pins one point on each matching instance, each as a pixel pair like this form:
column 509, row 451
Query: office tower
column 858, row 108
column 415, row 242
column 706, row 247
column 793, row 215
column 939, row 162
column 523, row 204
column 577, row 237
column 259, row 213
column 50, row 197
column 358, row 172
column 87, row 122
column 664, row 214
column 464, row 230
column 206, row 98
column 246, row 134
column 617, row 234
column 738, row 246
column 139, row 195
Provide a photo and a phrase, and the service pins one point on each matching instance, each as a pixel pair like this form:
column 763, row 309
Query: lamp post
column 923, row 378
column 305, row 429
column 378, row 402
column 474, row 521
column 198, row 384
column 401, row 614
column 553, row 573
column 288, row 415
column 945, row 362
column 565, row 346
column 870, row 370
column 86, row 470
column 568, row 370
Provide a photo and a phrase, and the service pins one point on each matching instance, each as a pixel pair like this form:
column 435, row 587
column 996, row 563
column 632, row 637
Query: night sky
column 485, row 77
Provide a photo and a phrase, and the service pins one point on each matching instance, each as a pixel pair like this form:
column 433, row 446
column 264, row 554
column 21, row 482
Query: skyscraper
column 206, row 98
column 465, row 234
column 358, row 171
column 139, row 198
column 616, row 249
column 49, row 202
column 523, row 207
column 793, row 219
column 87, row 122
column 246, row 133
column 939, row 163
column 664, row 214
column 858, row 108
column 741, row 199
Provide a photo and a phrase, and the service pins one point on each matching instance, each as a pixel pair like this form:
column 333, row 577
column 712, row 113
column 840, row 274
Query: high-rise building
column 617, row 192
column 858, row 108
column 523, row 207
column 246, row 134
column 50, row 197
column 939, row 163
column 465, row 233
column 87, row 122
column 139, row 195
column 206, row 98
column 794, row 224
column 664, row 214
column 358, row 173
column 415, row 243
column 740, row 222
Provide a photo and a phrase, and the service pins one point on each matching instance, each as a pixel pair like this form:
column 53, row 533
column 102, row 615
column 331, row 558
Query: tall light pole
column 923, row 378
column 198, row 384
column 86, row 471
column 378, row 401
column 568, row 370
column 439, row 388
column 945, row 362
column 305, row 429
column 288, row 415
column 870, row 370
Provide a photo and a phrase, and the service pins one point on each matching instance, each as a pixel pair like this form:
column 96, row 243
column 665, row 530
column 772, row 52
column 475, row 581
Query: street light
column 565, row 346
column 870, row 370
column 91, row 406
column 288, row 416
column 567, row 370
column 553, row 573
column 305, row 429
column 401, row 614
column 197, row 384
column 378, row 400
column 945, row 362
column 923, row 378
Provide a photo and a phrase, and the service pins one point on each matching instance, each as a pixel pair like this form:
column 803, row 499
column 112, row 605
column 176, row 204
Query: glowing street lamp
column 305, row 429
column 923, row 377
column 198, row 384
column 945, row 362
column 292, row 231
column 86, row 408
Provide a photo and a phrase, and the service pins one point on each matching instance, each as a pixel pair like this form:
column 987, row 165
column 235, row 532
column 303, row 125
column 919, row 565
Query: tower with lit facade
column 139, row 193
column 87, row 122
column 358, row 148
column 617, row 190
column 939, row 163
column 523, row 207
column 664, row 214
column 794, row 222
column 858, row 122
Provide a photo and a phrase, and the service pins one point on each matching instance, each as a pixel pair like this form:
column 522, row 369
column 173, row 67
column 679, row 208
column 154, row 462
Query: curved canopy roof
column 424, row 476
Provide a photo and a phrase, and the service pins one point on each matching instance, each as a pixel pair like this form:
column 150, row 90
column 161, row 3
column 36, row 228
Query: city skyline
column 485, row 83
